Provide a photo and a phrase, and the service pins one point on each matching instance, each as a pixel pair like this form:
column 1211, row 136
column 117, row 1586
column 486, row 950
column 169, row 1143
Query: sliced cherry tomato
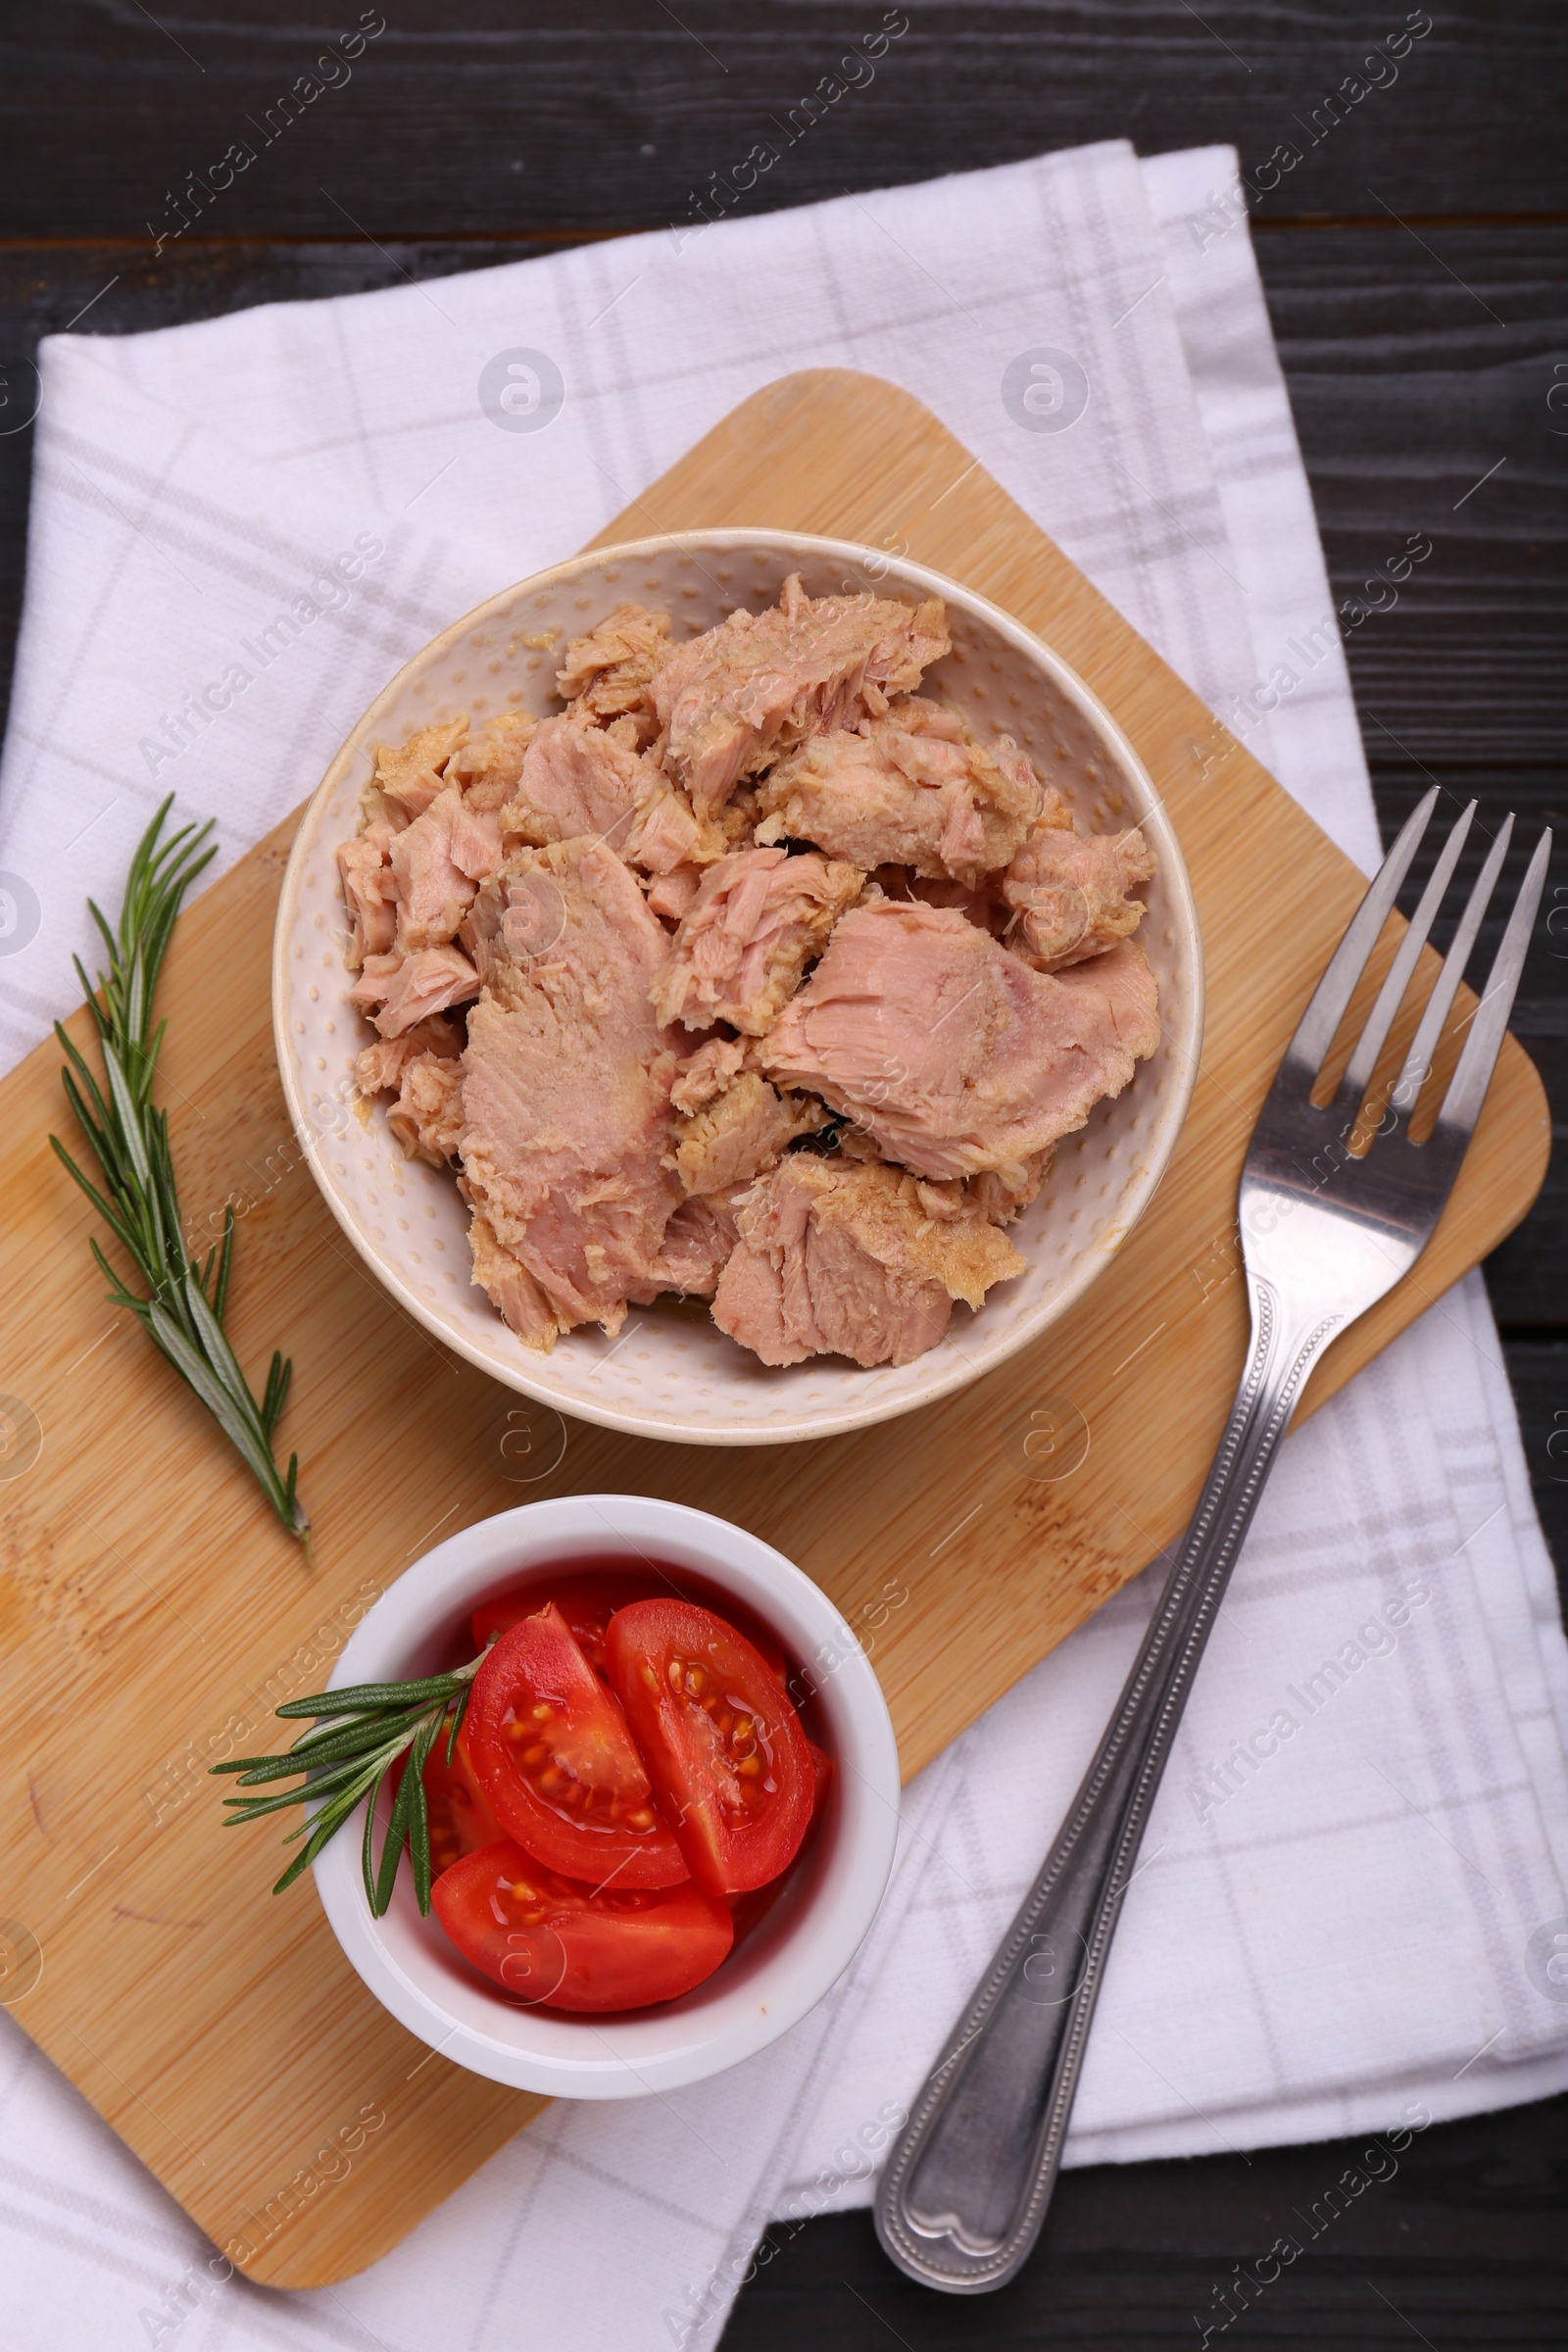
column 587, row 1601
column 589, row 1597
column 456, row 1805
column 562, row 1946
column 553, row 1756
column 746, row 1910
column 459, row 1815
column 724, row 1748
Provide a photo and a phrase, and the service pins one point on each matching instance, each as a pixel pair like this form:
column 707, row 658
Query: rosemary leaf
column 358, row 1736
column 367, row 1848
column 420, row 1813
column 458, row 1714
column 398, row 1831
column 250, row 1808
column 313, row 1751
column 139, row 1200
column 376, row 1697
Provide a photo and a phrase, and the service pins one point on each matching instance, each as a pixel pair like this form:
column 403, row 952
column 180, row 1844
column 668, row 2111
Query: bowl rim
column 639, row 2054
column 1185, row 1046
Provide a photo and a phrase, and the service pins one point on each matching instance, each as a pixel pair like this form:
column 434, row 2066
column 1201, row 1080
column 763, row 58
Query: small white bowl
column 672, row 1373
column 796, row 1950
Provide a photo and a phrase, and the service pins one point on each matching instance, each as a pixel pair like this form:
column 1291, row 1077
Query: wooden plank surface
column 1469, row 2235
column 612, row 114
column 1421, row 402
column 221, row 2033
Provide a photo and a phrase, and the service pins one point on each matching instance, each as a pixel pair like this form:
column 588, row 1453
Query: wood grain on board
column 219, row 2032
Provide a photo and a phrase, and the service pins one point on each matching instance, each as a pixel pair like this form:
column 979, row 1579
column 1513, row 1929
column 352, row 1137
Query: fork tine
column 1317, row 1026
column 1461, row 1106
column 1391, row 996
column 1424, row 1044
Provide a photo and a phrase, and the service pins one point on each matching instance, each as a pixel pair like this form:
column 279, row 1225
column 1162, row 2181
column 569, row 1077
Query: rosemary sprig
column 358, row 1737
column 184, row 1310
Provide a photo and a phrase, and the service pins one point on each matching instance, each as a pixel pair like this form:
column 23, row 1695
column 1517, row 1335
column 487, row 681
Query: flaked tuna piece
column 698, row 1241
column 437, row 864
column 606, row 675
column 566, row 1079
column 521, row 913
column 737, row 698
column 666, row 833
column 407, row 778
column 973, row 899
column 400, row 989
column 671, row 894
column 742, row 1134
column 427, row 1117
column 707, row 1073
column 369, row 894
column 759, row 918
column 954, row 1053
column 487, row 768
column 670, row 842
column 736, row 822
column 579, row 779
column 509, row 1286
column 852, row 1142
column 1002, row 1203
column 526, row 902
column 836, row 1260
column 1070, row 895
column 909, row 789
column 379, row 1068
column 473, row 839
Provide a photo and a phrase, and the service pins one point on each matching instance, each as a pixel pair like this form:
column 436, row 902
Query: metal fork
column 1327, row 1227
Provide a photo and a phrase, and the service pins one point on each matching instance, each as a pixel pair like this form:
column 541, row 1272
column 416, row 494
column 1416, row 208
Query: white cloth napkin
column 1345, row 1913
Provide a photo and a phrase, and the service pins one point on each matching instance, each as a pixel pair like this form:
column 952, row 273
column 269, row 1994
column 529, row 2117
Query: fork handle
column 965, row 2187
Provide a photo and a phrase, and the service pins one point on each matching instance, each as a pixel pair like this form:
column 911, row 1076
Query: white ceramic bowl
column 670, row 1374
column 798, row 1948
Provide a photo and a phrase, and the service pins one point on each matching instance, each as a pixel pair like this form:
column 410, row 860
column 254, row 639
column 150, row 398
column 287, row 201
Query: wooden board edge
column 314, row 2258
column 1386, row 1322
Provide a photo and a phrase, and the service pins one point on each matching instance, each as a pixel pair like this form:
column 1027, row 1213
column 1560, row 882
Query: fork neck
column 1287, row 1339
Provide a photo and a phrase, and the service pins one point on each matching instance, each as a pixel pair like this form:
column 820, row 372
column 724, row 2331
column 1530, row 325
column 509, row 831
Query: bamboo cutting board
column 219, row 2032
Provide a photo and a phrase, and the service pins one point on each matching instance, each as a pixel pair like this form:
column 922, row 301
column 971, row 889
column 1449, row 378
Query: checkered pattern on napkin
column 1344, row 1914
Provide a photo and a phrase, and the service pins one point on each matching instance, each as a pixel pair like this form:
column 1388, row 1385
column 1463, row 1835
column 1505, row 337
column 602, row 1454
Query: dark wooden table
column 1417, row 265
